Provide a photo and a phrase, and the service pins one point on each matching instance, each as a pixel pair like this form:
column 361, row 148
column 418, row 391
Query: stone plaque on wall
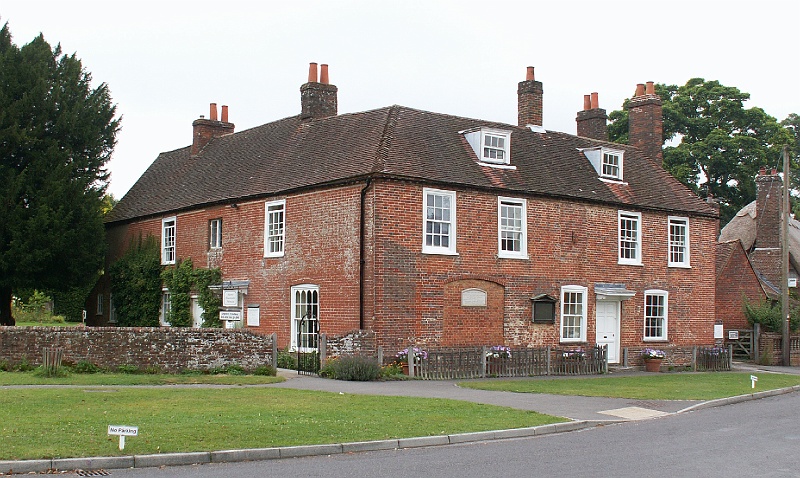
column 473, row 298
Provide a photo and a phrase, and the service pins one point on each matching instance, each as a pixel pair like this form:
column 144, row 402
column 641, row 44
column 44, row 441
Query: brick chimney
column 645, row 121
column 592, row 120
column 768, row 209
column 318, row 97
column 529, row 101
column 204, row 130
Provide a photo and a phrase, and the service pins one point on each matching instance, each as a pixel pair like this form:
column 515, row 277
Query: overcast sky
column 165, row 61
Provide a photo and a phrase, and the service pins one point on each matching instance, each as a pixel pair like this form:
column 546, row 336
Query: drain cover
column 92, row 473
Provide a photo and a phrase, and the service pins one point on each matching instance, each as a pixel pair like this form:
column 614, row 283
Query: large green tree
column 715, row 145
column 56, row 134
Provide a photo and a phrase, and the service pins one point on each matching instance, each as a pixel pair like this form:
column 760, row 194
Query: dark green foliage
column 71, row 302
column 51, row 372
column 267, row 370
column 84, row 366
column 128, row 368
column 287, row 359
column 768, row 314
column 209, row 299
column 352, row 368
column 56, row 135
column 179, row 280
column 23, row 365
column 136, row 284
column 721, row 144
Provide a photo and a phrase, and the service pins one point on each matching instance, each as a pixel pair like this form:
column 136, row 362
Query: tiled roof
column 290, row 155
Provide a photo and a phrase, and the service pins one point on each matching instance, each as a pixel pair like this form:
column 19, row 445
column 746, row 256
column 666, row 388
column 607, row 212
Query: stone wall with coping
column 169, row 349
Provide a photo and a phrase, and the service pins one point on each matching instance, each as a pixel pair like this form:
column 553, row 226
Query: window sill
column 679, row 266
column 629, row 263
column 440, row 253
column 272, row 256
column 509, row 256
column 497, row 165
column 572, row 341
column 655, row 340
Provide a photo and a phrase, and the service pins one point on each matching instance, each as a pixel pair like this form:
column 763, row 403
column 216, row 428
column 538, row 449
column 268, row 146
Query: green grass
column 30, row 378
column 666, row 386
column 70, row 422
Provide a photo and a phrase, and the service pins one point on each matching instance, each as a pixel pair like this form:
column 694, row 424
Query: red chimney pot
column 312, row 72
column 595, row 101
column 224, row 113
column 213, row 113
column 529, row 74
column 639, row 89
column 587, row 102
column 323, row 74
column 651, row 89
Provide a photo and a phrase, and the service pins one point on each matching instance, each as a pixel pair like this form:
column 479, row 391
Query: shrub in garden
column 287, row 359
column 266, row 370
column 128, row 368
column 354, row 368
column 84, row 366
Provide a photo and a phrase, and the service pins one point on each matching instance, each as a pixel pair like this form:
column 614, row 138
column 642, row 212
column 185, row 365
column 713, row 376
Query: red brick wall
column 410, row 296
column 735, row 281
column 321, row 248
column 569, row 243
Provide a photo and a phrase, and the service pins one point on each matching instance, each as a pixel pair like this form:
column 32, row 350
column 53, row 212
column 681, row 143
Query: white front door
column 305, row 317
column 608, row 328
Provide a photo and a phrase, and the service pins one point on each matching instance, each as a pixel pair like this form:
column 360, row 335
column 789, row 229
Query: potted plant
column 496, row 357
column 652, row 359
column 418, row 356
column 499, row 352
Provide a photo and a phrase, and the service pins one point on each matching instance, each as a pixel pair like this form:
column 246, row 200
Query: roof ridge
column 386, row 138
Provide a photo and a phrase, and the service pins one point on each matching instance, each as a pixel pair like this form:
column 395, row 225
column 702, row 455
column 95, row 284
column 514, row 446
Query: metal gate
column 308, row 346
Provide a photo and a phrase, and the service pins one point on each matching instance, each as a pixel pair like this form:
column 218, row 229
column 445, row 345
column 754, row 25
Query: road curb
column 740, row 398
column 259, row 454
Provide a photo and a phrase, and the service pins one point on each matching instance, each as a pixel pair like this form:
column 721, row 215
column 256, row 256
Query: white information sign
column 230, row 298
column 230, row 315
column 473, row 298
column 253, row 316
column 123, row 431
column 733, row 335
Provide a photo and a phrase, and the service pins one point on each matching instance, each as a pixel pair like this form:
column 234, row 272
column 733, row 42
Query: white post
column 121, row 442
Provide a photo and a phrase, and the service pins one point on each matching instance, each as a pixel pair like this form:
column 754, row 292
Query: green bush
column 234, row 369
column 128, row 368
column 267, row 370
column 51, row 372
column 153, row 370
column 392, row 370
column 287, row 359
column 23, row 365
column 4, row 366
column 136, row 284
column 768, row 314
column 84, row 366
column 352, row 368
column 327, row 370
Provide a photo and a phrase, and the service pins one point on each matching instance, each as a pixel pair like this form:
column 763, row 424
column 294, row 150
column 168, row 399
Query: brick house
column 756, row 227
column 433, row 228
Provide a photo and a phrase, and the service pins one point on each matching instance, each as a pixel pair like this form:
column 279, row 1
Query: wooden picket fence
column 476, row 362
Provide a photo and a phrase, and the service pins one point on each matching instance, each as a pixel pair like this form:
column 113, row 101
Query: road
column 756, row 438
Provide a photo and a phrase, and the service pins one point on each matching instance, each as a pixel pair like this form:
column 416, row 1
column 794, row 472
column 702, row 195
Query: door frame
column 618, row 316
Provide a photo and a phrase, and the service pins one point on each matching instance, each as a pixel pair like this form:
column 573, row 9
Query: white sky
column 165, row 61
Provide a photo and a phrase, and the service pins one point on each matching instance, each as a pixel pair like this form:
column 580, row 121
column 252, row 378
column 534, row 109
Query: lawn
column 73, row 422
column 657, row 386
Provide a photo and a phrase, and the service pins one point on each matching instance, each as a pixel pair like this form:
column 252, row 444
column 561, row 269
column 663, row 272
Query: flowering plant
column 653, row 354
column 575, row 353
column 419, row 355
column 499, row 351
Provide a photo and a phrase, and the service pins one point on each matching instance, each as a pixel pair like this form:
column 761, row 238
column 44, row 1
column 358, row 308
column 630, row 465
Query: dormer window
column 612, row 165
column 492, row 146
column 607, row 162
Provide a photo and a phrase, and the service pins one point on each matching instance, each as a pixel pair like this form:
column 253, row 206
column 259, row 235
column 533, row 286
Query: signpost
column 123, row 431
column 753, row 380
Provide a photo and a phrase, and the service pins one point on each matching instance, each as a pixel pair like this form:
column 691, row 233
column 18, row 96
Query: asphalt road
column 756, row 438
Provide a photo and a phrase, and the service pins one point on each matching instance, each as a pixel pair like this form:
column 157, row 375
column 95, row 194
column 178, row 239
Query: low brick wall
column 356, row 342
column 171, row 349
column 770, row 346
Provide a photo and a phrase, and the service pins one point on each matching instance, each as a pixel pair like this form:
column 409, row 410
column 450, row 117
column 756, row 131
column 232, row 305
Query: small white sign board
column 230, row 298
column 753, row 380
column 253, row 316
column 733, row 335
column 123, row 431
column 718, row 331
column 230, row 315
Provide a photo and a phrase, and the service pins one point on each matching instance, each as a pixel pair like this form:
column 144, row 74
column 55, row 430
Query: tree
column 136, row 284
column 720, row 144
column 56, row 135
